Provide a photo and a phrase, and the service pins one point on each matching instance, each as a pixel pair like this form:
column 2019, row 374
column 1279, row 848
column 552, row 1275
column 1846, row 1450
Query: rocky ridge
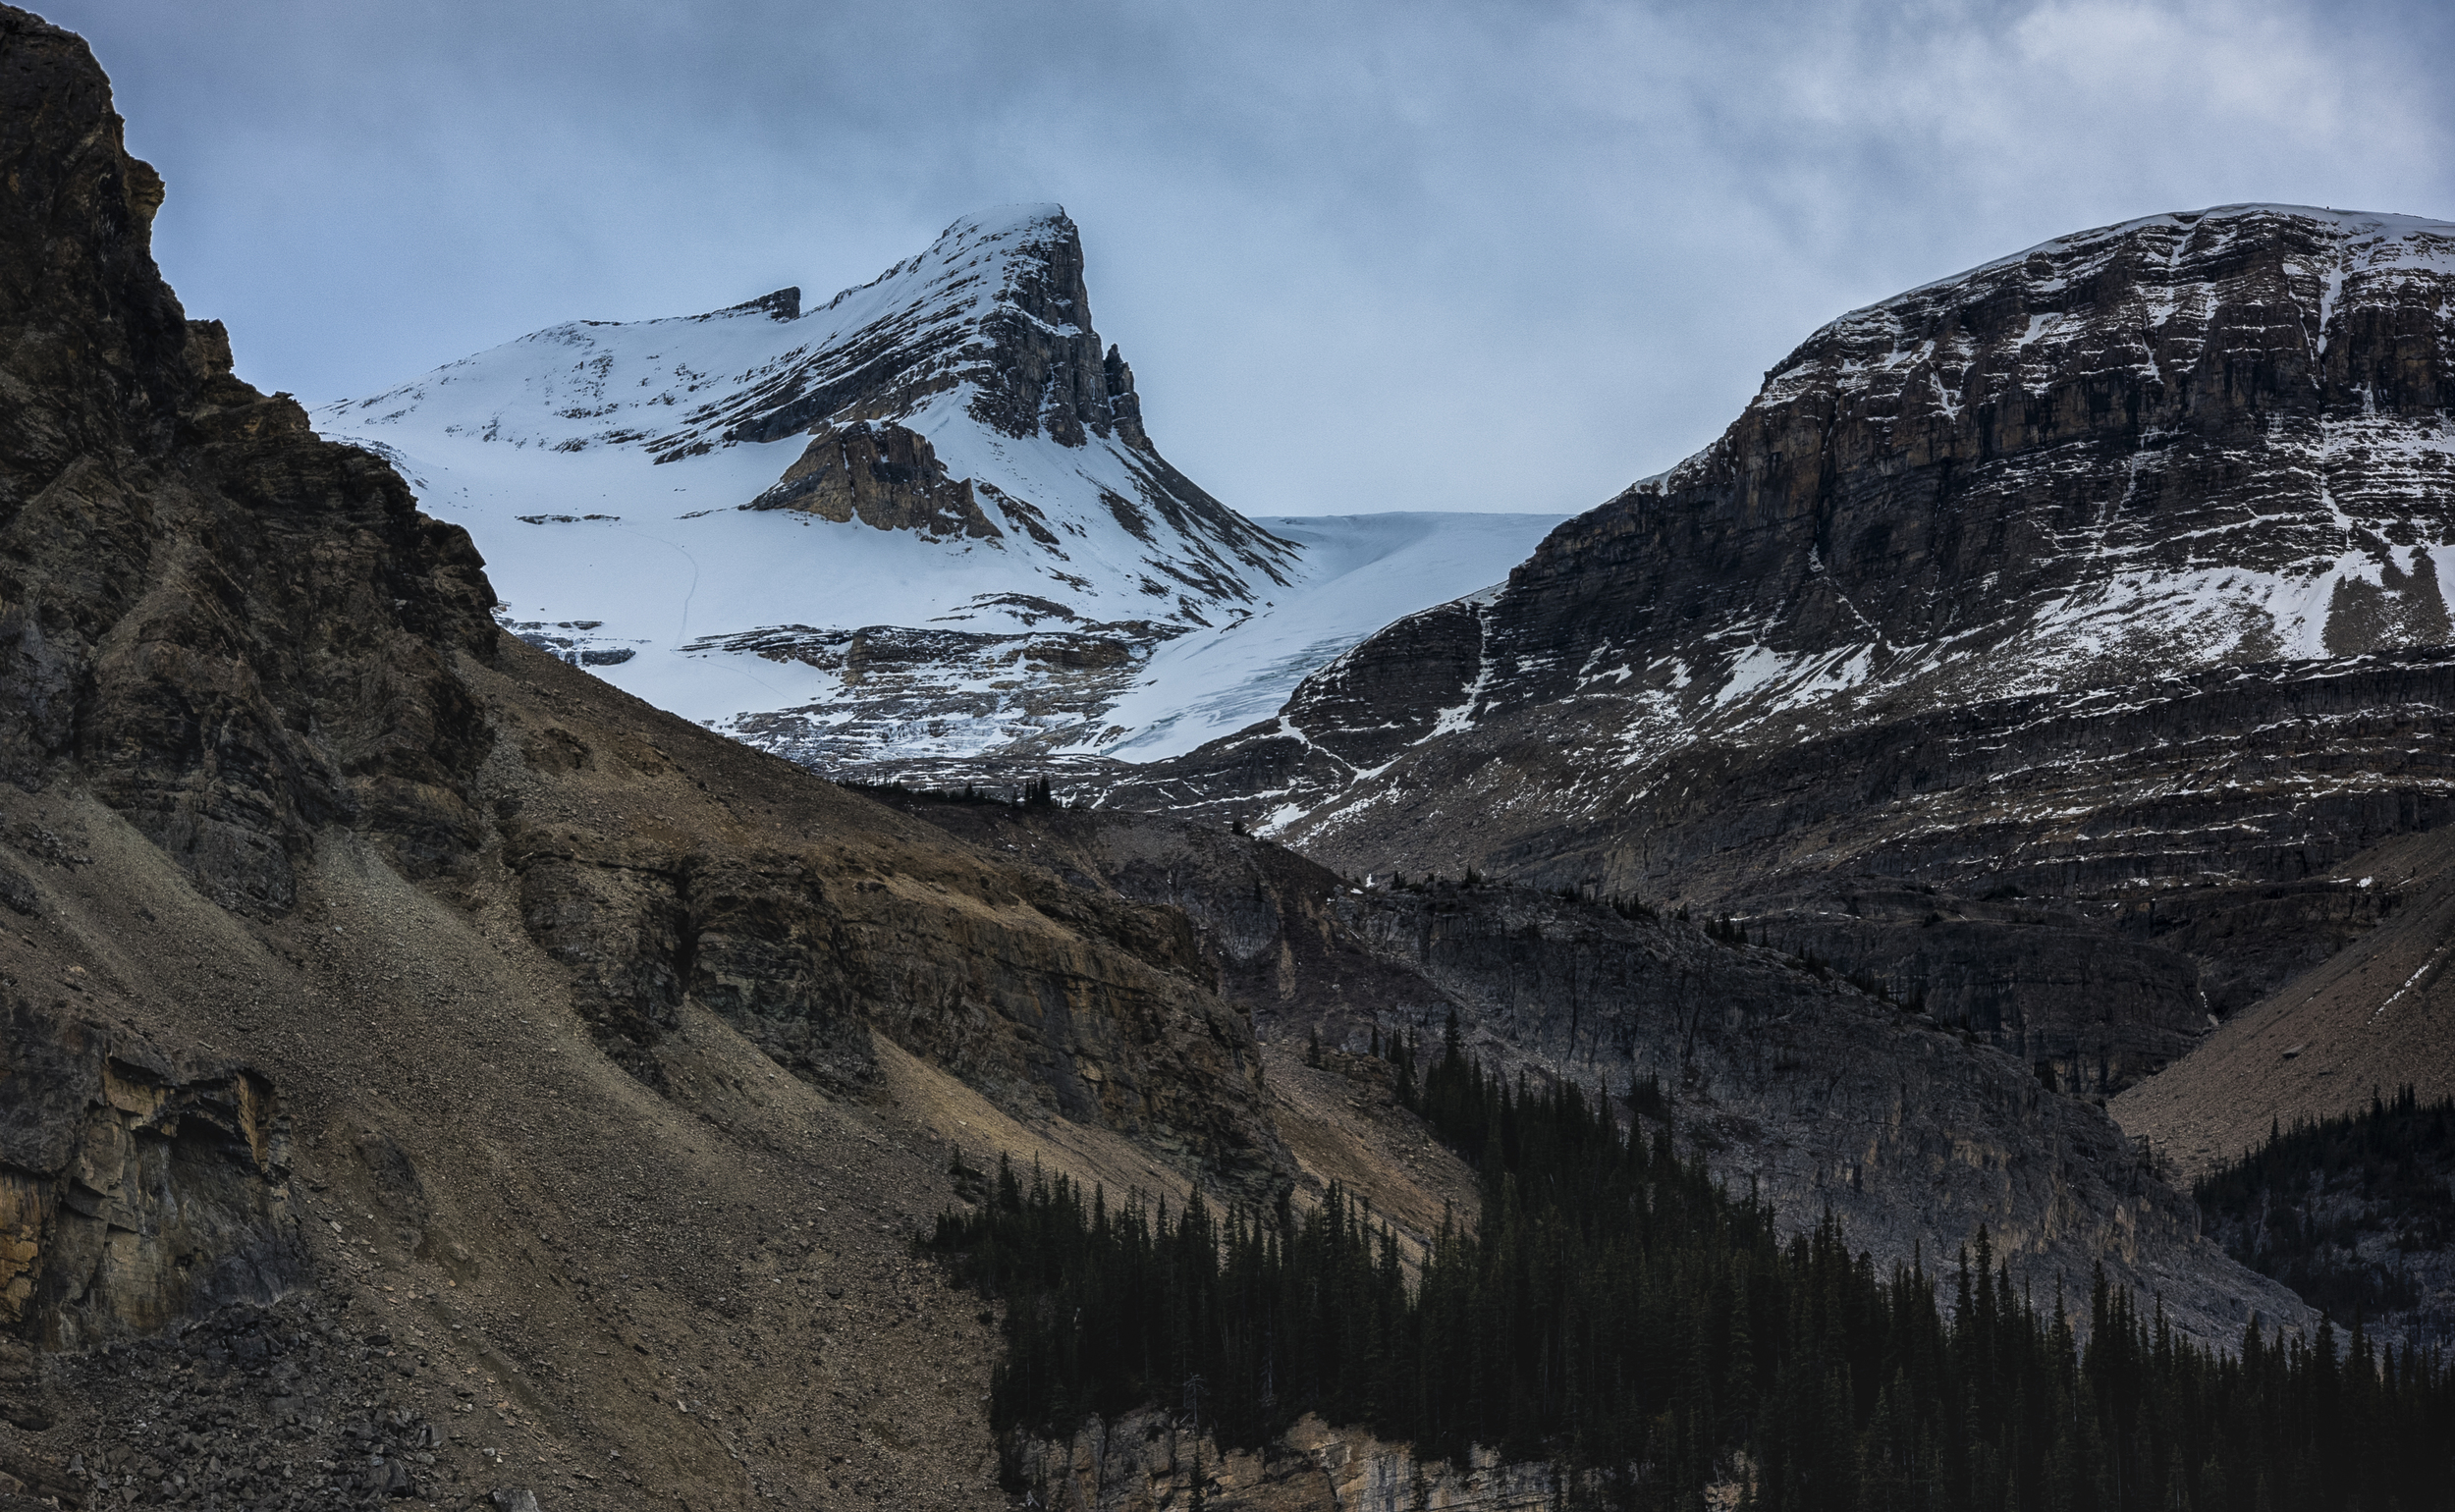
column 2102, row 576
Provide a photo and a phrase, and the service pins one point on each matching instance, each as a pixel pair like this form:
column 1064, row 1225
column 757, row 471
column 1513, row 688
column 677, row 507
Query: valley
column 553, row 913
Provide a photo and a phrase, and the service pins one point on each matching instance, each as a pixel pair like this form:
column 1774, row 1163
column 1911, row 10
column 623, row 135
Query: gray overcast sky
column 1426, row 255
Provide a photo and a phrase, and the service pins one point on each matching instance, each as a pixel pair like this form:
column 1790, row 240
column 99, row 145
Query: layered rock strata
column 2105, row 574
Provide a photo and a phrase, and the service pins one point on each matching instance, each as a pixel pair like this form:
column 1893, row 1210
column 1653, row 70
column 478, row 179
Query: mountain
column 921, row 520
column 430, row 1073
column 2050, row 642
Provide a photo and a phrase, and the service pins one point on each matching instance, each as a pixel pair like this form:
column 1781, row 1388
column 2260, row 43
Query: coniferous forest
column 2357, row 1213
column 1614, row 1311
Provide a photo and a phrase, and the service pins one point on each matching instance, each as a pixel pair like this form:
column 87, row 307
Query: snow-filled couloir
column 922, row 519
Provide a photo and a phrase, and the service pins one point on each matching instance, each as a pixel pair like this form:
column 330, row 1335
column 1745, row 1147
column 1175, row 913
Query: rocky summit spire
column 997, row 305
column 1040, row 368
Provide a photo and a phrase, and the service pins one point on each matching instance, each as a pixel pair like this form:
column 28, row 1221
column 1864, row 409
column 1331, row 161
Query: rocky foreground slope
column 2050, row 642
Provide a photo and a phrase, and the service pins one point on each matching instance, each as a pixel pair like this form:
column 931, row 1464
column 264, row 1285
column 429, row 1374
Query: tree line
column 1613, row 1310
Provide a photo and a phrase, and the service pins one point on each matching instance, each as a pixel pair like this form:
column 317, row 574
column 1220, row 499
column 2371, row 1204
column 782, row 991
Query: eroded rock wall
column 137, row 1189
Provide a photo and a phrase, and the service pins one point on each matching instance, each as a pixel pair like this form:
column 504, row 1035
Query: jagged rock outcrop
column 1026, row 356
column 882, row 475
column 136, row 1188
column 2098, row 573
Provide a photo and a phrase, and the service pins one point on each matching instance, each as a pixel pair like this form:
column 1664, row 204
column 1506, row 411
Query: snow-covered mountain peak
column 954, row 316
column 961, row 397
column 922, row 518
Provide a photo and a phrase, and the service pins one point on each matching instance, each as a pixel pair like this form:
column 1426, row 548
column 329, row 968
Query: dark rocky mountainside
column 2049, row 641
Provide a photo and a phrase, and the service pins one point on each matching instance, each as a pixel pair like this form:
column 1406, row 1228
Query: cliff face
column 234, row 633
column 2106, row 573
column 428, row 1070
column 136, row 1189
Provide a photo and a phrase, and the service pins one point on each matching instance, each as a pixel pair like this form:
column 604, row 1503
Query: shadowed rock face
column 2107, row 570
column 233, row 630
column 136, row 1188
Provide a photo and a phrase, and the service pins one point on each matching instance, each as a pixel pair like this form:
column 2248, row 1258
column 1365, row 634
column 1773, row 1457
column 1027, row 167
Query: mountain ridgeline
column 2134, row 457
column 431, row 1074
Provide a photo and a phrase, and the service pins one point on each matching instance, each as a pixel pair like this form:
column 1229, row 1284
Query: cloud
column 1380, row 256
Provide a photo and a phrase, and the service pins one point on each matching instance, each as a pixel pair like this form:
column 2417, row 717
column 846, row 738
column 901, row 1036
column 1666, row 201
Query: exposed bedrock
column 882, row 474
column 137, row 1187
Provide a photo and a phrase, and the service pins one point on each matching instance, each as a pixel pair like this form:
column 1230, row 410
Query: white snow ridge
column 921, row 521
